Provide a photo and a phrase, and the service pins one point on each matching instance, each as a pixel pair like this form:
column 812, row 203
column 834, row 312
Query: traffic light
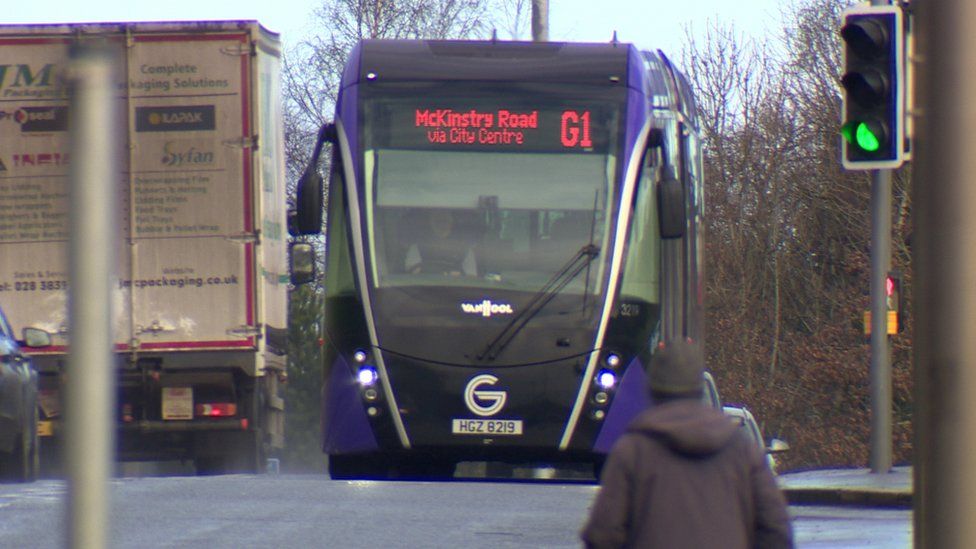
column 873, row 127
column 893, row 301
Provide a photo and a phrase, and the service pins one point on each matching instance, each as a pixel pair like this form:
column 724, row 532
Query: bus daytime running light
column 367, row 376
column 606, row 379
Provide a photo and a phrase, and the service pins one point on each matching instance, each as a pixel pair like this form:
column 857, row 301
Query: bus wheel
column 423, row 468
column 358, row 466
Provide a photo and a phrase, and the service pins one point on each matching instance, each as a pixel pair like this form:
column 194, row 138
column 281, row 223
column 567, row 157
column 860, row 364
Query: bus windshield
column 487, row 189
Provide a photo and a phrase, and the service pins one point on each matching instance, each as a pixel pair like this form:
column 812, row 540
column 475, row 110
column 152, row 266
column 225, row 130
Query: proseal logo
column 180, row 155
column 486, row 308
column 39, row 119
column 493, row 401
column 172, row 119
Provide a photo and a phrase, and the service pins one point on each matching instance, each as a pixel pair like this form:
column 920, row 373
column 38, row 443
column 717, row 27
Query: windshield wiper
column 581, row 260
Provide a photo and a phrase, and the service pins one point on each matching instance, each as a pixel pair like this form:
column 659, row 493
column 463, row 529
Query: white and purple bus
column 512, row 229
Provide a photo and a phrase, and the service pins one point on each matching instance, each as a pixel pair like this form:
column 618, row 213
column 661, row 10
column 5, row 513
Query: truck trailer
column 200, row 291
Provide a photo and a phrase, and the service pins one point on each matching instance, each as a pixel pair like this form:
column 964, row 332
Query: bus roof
column 433, row 60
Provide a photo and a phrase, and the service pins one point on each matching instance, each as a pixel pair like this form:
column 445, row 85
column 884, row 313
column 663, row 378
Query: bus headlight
column 613, row 360
column 606, row 379
column 360, row 356
column 367, row 376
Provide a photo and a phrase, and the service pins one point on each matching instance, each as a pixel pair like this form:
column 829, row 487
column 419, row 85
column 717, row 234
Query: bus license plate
column 493, row 427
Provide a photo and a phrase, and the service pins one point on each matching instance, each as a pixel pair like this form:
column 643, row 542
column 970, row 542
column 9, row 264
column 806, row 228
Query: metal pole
column 944, row 248
column 540, row 20
column 90, row 380
column 881, row 433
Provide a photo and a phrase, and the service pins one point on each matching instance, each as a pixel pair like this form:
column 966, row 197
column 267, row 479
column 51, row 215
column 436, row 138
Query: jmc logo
column 474, row 396
column 22, row 76
column 24, row 81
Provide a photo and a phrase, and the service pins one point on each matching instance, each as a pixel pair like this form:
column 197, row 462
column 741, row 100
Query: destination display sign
column 572, row 128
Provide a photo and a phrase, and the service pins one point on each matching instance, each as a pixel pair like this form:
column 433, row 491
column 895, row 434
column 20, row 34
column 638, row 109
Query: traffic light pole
column 540, row 20
column 880, row 374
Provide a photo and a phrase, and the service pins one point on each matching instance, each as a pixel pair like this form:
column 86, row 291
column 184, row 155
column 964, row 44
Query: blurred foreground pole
column 944, row 247
column 90, row 389
column 540, row 20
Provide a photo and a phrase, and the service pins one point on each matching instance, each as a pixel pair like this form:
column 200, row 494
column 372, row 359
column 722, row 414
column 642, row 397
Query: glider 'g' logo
column 475, row 397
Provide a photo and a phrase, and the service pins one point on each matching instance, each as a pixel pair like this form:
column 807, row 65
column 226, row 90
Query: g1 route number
column 575, row 129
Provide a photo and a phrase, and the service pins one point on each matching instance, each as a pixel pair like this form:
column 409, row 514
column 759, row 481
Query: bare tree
column 514, row 17
column 788, row 237
column 748, row 138
column 314, row 67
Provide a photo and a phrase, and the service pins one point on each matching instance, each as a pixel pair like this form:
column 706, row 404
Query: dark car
column 18, row 405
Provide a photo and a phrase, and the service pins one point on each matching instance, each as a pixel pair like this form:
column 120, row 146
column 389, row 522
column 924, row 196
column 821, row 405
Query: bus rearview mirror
column 671, row 208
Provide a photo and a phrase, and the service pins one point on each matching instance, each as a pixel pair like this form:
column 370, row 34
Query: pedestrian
column 683, row 475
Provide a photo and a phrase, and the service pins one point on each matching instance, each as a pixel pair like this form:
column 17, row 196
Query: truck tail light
column 127, row 416
column 215, row 409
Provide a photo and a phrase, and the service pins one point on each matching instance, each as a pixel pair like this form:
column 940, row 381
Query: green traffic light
column 863, row 135
column 866, row 139
column 847, row 130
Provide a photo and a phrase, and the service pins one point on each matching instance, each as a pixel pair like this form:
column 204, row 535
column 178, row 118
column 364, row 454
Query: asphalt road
column 314, row 511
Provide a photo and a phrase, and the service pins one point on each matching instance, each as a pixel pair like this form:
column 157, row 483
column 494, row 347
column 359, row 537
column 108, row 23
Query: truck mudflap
column 52, row 428
column 149, row 427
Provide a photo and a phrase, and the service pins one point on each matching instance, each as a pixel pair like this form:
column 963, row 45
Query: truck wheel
column 21, row 464
column 244, row 453
column 34, row 455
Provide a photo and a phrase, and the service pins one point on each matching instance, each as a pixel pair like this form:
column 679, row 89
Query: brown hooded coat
column 685, row 476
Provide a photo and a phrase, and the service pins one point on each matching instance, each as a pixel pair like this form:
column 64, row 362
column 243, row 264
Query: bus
column 512, row 228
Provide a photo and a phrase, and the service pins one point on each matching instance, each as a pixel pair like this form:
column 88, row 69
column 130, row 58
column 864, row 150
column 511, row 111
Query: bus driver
column 440, row 250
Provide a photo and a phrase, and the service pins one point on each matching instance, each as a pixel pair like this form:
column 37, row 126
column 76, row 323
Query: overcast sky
column 649, row 24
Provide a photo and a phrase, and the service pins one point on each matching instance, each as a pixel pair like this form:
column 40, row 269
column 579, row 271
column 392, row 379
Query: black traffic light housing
column 873, row 123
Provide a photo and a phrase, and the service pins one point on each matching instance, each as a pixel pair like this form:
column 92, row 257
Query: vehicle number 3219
column 486, row 426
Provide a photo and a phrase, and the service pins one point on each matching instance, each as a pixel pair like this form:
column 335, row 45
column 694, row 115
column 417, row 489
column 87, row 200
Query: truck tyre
column 244, row 453
column 21, row 464
column 34, row 456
